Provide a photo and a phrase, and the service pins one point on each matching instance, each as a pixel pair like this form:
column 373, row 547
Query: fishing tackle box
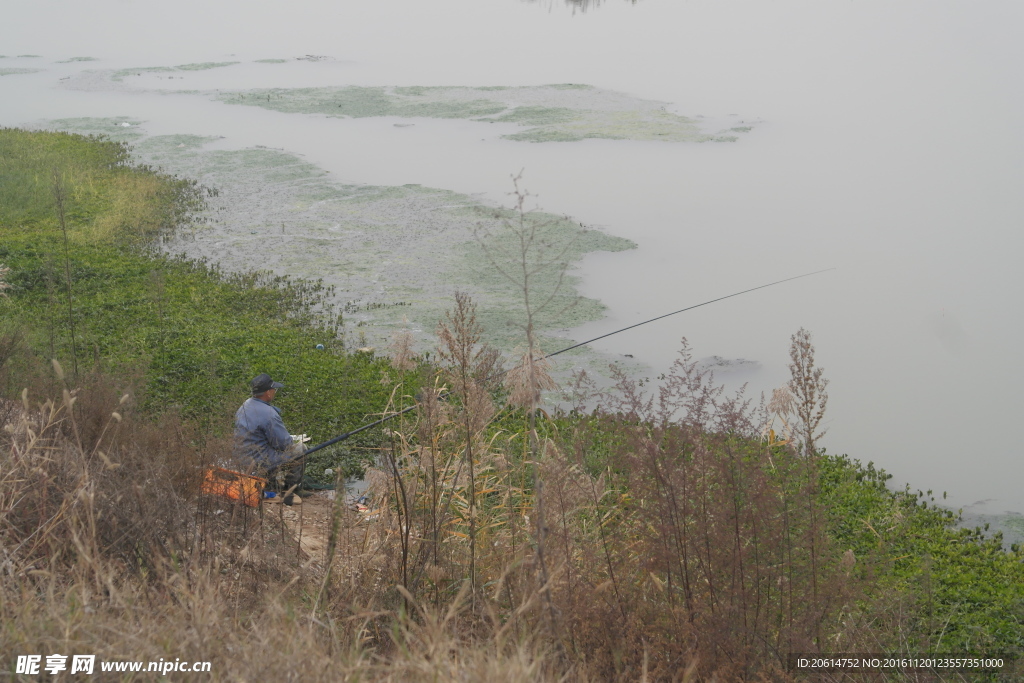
column 243, row 488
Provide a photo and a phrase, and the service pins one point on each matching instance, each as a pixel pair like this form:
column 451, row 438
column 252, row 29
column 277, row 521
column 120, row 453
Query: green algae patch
column 393, row 253
column 1014, row 523
column 78, row 59
column 565, row 112
column 362, row 102
column 549, row 113
column 162, row 148
column 112, row 128
column 271, row 61
column 16, row 71
column 121, row 74
column 497, row 249
column 31, row 56
column 538, row 116
column 414, row 90
column 204, row 66
column 617, row 125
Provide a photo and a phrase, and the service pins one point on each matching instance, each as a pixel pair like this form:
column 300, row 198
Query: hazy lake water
column 885, row 142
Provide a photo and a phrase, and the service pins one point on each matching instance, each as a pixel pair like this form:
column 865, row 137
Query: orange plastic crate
column 232, row 485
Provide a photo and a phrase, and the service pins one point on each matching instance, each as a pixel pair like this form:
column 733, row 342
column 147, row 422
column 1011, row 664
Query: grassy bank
column 659, row 537
column 87, row 288
column 948, row 589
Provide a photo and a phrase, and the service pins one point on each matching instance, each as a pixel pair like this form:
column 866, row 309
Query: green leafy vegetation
column 138, row 71
column 120, row 74
column 198, row 334
column 959, row 589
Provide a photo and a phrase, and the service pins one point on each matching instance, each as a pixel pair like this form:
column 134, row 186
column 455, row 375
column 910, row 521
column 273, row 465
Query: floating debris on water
column 718, row 364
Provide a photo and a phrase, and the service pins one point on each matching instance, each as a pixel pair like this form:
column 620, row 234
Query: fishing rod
column 384, row 419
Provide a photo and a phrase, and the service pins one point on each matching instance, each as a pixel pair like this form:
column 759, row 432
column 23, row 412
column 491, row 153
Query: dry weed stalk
column 401, row 347
column 781, row 406
column 469, row 366
column 100, row 518
column 685, row 548
column 530, row 259
column 528, row 379
column 807, row 385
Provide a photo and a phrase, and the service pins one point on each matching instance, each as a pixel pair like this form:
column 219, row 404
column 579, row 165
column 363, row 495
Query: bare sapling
column 536, row 266
column 60, row 196
column 526, row 255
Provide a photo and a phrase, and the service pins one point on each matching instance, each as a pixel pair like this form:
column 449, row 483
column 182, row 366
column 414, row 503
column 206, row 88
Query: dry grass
column 402, row 351
column 107, row 548
column 671, row 543
column 689, row 546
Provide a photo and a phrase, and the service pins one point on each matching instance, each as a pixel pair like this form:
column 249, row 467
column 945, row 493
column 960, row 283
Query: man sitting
column 263, row 440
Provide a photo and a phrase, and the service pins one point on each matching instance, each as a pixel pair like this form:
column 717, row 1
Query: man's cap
column 261, row 383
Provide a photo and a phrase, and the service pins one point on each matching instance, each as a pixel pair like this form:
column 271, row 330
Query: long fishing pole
column 346, row 435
